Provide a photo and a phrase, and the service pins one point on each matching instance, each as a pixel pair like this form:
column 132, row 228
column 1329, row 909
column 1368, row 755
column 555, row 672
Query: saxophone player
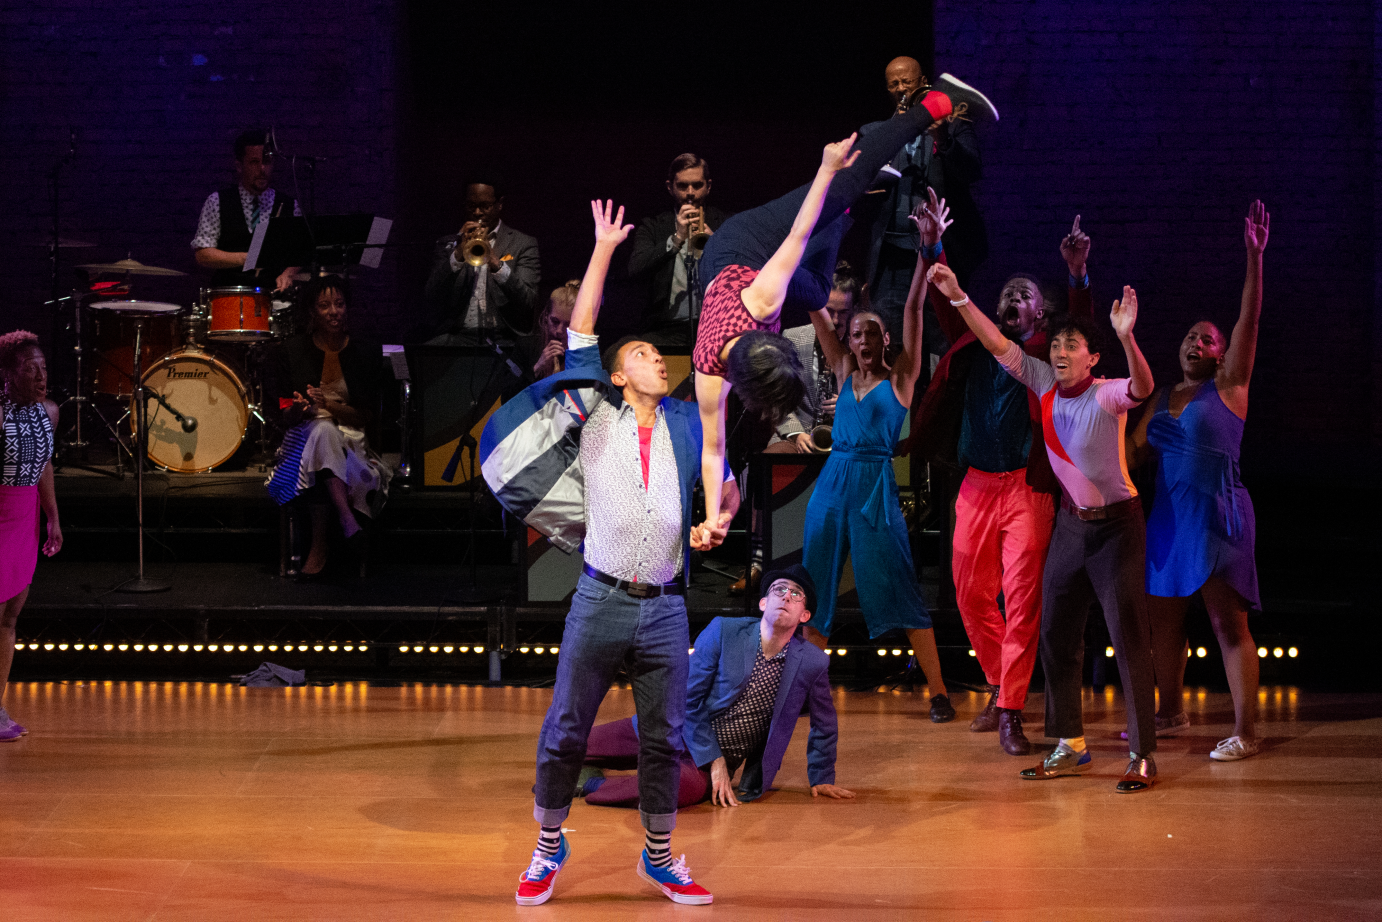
column 818, row 409
column 666, row 254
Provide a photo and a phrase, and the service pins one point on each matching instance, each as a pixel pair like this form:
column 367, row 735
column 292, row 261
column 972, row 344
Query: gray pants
column 1104, row 560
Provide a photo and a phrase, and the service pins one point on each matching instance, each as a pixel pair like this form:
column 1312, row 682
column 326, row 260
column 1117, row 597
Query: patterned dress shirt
column 743, row 726
column 257, row 209
column 632, row 532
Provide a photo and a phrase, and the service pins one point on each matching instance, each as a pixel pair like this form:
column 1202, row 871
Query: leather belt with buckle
column 1098, row 513
column 635, row 590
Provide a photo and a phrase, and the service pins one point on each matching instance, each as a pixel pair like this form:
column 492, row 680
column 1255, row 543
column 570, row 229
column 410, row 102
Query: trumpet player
column 667, row 249
column 485, row 280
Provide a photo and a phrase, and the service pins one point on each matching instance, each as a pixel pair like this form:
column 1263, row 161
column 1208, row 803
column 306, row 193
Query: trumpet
column 696, row 234
column 474, row 246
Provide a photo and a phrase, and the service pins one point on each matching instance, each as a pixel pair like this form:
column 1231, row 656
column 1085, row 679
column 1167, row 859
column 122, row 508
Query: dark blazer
column 299, row 364
column 936, row 423
column 651, row 262
column 724, row 656
column 515, row 301
column 949, row 171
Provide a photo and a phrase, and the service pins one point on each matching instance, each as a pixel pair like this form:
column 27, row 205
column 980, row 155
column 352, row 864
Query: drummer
column 224, row 232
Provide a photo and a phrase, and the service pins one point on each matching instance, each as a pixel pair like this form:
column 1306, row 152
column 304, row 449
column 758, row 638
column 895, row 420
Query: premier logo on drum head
column 175, row 372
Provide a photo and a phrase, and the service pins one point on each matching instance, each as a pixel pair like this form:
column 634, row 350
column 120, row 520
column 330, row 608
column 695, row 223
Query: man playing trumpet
column 667, row 249
column 485, row 280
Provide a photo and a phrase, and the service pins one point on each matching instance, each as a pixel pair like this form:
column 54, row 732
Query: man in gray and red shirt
column 1099, row 545
column 610, row 457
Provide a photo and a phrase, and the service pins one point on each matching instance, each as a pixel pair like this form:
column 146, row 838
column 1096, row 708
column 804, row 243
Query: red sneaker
column 535, row 884
column 675, row 882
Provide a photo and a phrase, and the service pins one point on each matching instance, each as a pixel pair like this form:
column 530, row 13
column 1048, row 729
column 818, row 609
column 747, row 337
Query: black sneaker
column 976, row 105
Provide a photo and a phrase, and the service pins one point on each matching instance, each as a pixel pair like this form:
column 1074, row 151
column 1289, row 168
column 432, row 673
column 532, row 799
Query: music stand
column 140, row 311
column 344, row 240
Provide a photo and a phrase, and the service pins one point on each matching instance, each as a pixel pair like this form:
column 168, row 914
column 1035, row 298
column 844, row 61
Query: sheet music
column 256, row 242
column 378, row 234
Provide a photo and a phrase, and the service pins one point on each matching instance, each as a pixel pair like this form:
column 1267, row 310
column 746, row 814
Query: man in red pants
column 975, row 415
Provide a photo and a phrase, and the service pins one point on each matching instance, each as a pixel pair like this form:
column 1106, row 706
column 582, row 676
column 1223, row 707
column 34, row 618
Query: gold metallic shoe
column 1059, row 763
column 1140, row 776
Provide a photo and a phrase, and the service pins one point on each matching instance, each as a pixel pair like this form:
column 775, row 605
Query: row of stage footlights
column 1200, row 652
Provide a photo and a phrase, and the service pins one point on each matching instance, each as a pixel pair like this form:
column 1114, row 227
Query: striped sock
column 659, row 846
column 549, row 840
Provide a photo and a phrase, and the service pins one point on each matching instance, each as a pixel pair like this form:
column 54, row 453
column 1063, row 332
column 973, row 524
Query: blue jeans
column 603, row 628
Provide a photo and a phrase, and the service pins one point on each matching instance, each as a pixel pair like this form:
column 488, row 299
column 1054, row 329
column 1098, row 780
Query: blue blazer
column 720, row 667
column 530, row 449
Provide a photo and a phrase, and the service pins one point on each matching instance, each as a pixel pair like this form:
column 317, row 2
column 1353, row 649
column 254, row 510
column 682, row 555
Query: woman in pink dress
column 27, row 421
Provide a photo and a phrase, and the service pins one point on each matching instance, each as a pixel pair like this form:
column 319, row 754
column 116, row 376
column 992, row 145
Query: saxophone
column 821, row 440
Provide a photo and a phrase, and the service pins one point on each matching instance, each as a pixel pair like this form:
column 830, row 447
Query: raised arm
column 1242, row 348
column 1123, row 316
column 983, row 328
column 931, row 218
column 836, row 355
column 765, row 294
column 608, row 235
column 1074, row 249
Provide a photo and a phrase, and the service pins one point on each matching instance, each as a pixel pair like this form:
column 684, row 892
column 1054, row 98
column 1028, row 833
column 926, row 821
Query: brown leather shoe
column 1010, row 735
column 753, row 577
column 1140, row 776
column 987, row 721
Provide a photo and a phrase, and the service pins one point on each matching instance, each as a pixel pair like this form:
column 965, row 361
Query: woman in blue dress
column 1201, row 533
column 854, row 510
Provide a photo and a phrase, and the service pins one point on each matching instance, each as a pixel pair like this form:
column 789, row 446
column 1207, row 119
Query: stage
column 203, row 801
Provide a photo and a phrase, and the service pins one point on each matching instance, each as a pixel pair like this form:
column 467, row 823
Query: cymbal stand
column 141, row 448
column 255, row 360
column 82, row 402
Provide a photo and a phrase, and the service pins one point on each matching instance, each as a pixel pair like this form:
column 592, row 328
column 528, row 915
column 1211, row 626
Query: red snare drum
column 238, row 315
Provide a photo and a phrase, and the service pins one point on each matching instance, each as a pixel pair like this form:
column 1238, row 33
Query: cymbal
column 64, row 243
column 130, row 267
column 137, row 308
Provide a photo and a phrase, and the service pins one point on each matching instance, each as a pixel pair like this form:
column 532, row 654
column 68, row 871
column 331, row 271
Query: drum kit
column 200, row 369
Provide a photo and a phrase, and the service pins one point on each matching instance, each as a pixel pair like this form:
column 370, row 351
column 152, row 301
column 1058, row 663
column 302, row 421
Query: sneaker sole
column 952, row 80
column 672, row 895
column 543, row 897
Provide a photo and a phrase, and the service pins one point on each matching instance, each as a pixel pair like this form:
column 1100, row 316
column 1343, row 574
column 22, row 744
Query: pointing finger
column 1075, row 228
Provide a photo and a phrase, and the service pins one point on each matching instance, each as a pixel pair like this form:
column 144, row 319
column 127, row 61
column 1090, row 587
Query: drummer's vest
column 235, row 238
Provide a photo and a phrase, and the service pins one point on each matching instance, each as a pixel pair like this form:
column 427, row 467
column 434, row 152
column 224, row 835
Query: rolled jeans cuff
column 658, row 822
column 550, row 817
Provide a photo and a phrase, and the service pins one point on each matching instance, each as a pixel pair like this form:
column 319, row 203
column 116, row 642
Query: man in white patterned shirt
column 224, row 231
column 639, row 460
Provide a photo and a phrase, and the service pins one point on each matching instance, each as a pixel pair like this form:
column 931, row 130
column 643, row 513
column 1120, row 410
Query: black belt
column 635, row 590
column 1117, row 510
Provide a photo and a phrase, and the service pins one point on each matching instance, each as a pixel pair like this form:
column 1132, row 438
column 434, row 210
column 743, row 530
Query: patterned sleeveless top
column 723, row 317
column 26, row 444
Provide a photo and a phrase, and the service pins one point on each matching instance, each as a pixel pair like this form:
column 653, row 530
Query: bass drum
column 203, row 388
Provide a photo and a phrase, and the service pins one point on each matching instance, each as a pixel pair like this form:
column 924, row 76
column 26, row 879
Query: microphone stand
column 141, row 448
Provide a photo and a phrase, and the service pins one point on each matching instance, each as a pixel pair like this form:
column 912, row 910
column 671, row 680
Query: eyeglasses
column 787, row 592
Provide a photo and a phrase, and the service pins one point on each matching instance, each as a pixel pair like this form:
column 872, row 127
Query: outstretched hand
column 943, row 278
column 931, row 218
column 614, row 231
column 1256, row 227
column 1074, row 249
column 1123, row 316
column 837, row 156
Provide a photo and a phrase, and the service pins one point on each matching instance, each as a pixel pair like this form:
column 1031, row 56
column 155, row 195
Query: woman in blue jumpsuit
column 854, row 510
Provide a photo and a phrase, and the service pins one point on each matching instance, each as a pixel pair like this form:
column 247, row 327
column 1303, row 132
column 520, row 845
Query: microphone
column 189, row 423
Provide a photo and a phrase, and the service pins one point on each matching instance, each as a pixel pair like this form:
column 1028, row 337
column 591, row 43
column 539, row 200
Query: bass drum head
column 204, row 388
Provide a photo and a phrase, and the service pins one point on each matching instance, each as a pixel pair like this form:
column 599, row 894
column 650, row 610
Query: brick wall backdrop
column 156, row 90
column 1159, row 124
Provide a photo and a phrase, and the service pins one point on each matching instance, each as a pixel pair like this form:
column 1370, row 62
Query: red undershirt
column 645, row 448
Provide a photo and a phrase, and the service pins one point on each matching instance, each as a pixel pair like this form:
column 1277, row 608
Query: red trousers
column 1002, row 531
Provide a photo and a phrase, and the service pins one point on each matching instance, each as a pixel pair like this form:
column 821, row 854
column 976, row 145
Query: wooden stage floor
column 193, row 801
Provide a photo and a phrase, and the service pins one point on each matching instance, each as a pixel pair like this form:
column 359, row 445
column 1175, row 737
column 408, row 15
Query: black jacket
column 299, row 364
column 652, row 262
column 515, row 301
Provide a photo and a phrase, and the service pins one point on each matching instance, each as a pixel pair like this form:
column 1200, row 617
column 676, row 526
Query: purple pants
column 615, row 746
